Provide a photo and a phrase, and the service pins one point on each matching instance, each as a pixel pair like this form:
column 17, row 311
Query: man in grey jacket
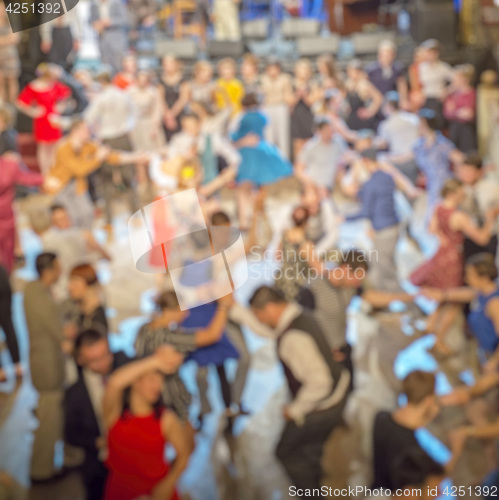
column 46, row 358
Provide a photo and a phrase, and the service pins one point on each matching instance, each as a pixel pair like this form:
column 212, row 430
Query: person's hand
column 102, row 153
column 338, row 355
column 457, row 439
column 46, row 46
column 465, row 114
column 432, row 293
column 460, row 396
column 286, row 414
column 365, row 113
column 19, row 370
column 37, row 111
column 51, row 185
column 492, row 213
column 169, row 120
column 168, row 358
column 70, row 330
column 405, row 105
column 76, row 45
column 415, row 193
column 100, row 442
column 491, row 366
column 227, row 301
column 67, row 346
column 143, row 157
column 322, row 192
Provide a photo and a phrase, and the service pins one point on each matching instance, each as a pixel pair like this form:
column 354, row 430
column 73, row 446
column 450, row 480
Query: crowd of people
column 384, row 138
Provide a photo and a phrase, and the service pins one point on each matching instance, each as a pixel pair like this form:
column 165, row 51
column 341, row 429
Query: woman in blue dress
column 262, row 163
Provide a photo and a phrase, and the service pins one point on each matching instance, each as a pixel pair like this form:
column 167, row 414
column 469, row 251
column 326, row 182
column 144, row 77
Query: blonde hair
column 450, row 186
column 227, row 61
column 250, row 58
column 200, row 65
column 173, row 58
column 466, row 70
column 305, row 63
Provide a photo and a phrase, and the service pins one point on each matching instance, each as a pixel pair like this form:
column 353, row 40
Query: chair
column 183, row 19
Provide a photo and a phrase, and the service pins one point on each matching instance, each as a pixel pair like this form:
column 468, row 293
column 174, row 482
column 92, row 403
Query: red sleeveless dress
column 136, row 460
column 446, row 268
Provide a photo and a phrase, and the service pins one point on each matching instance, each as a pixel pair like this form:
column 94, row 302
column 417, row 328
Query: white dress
column 148, row 134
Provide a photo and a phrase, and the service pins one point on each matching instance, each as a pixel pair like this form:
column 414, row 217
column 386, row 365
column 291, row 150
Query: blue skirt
column 216, row 354
column 262, row 165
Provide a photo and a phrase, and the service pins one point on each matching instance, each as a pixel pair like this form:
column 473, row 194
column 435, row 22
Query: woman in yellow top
column 229, row 85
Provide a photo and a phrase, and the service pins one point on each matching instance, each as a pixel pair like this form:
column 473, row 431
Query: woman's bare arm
column 176, row 434
column 165, row 359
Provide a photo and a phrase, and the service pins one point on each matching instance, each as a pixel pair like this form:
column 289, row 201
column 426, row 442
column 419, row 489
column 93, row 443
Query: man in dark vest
column 318, row 387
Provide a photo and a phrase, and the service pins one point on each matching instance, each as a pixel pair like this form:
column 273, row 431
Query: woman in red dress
column 446, row 268
column 40, row 100
column 139, row 430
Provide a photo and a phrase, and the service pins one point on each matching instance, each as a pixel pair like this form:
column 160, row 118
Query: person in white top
column 319, row 160
column 434, row 75
column 398, row 133
column 112, row 116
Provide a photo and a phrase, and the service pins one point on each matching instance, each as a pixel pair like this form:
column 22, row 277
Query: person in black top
column 415, row 474
column 394, row 433
column 83, row 406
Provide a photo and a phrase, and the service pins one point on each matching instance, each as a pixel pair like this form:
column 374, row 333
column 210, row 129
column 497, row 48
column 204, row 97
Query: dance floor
column 244, row 467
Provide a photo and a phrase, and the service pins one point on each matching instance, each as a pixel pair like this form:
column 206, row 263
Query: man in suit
column 46, row 344
column 83, row 406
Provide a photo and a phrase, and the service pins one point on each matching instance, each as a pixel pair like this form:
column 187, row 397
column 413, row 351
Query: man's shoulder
column 32, row 288
column 73, row 392
column 312, row 143
column 120, row 359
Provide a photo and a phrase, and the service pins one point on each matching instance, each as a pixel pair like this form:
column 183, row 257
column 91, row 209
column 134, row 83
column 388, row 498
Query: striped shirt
column 329, row 306
column 175, row 394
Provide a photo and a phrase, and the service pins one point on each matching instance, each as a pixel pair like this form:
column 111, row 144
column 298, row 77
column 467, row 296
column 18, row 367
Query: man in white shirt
column 399, row 133
column 434, row 75
column 318, row 163
column 111, row 115
column 318, row 385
